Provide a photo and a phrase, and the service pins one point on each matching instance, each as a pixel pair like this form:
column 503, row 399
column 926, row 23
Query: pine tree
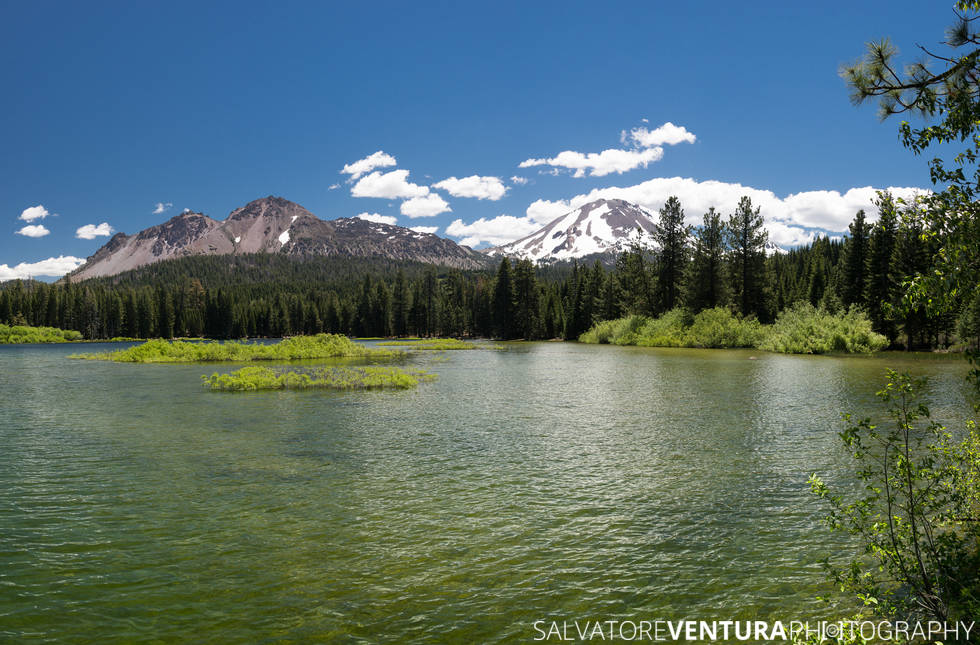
column 706, row 285
column 881, row 286
column 855, row 263
column 747, row 239
column 672, row 236
column 503, row 302
column 525, row 300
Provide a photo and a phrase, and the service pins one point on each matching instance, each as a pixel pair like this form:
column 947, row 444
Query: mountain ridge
column 272, row 225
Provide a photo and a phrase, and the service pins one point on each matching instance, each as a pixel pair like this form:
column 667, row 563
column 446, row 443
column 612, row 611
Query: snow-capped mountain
column 599, row 227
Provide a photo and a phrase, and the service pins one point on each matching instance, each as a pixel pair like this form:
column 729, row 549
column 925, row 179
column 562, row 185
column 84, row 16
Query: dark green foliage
column 672, row 236
column 855, row 262
column 706, row 284
column 881, row 287
column 747, row 240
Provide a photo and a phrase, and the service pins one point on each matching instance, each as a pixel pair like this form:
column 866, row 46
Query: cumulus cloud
column 599, row 164
column 498, row 230
column 33, row 230
column 162, row 207
column 33, row 213
column 389, row 185
column 790, row 220
column 379, row 159
column 54, row 267
column 425, row 206
column 474, row 186
column 425, row 229
column 667, row 134
column 378, row 217
column 91, row 231
column 518, row 181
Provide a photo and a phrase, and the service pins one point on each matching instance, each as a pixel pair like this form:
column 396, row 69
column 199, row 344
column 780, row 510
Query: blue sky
column 112, row 111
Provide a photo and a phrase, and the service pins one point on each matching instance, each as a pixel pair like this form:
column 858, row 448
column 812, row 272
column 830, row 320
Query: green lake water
column 548, row 481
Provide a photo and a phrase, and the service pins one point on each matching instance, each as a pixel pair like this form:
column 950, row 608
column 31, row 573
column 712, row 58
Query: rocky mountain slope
column 273, row 225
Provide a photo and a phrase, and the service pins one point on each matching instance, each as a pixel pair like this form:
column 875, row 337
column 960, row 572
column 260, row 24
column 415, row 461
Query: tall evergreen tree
column 672, row 236
column 706, row 284
column 503, row 302
column 855, row 263
column 747, row 240
column 526, row 308
column 880, row 288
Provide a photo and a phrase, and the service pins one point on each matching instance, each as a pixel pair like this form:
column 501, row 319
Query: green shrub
column 23, row 334
column 669, row 330
column 324, row 378
column 622, row 331
column 804, row 329
column 295, row 348
column 719, row 327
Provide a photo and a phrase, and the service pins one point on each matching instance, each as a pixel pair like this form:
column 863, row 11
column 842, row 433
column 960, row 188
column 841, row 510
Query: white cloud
column 474, row 186
column 162, row 207
column 518, row 181
column 186, row 210
column 667, row 134
column 91, row 231
column 425, row 229
column 389, row 185
column 33, row 213
column 788, row 219
column 378, row 217
column 542, row 211
column 55, row 267
column 599, row 164
column 425, row 206
column 379, row 159
column 333, row 187
column 33, row 230
column 498, row 230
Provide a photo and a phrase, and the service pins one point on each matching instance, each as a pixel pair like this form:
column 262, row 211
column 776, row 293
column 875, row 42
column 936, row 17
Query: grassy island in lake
column 438, row 344
column 295, row 348
column 324, row 378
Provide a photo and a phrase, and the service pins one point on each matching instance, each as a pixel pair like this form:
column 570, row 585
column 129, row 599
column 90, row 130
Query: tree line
column 723, row 262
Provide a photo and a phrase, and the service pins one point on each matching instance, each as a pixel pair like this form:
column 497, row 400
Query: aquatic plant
column 16, row 334
column 324, row 378
column 438, row 344
column 294, row 348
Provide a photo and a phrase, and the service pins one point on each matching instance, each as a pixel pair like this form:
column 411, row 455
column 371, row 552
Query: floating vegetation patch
column 438, row 344
column 15, row 334
column 322, row 378
column 288, row 349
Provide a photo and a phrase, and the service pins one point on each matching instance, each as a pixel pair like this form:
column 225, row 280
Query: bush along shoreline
column 801, row 329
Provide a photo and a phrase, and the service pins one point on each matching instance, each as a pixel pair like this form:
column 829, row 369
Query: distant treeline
column 721, row 263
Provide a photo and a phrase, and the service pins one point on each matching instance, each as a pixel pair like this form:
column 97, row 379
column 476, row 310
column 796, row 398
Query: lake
column 548, row 481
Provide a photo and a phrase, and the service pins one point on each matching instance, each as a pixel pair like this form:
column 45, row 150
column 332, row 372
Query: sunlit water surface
column 547, row 482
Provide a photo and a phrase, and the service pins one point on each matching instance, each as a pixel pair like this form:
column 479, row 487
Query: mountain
column 273, row 225
column 605, row 226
